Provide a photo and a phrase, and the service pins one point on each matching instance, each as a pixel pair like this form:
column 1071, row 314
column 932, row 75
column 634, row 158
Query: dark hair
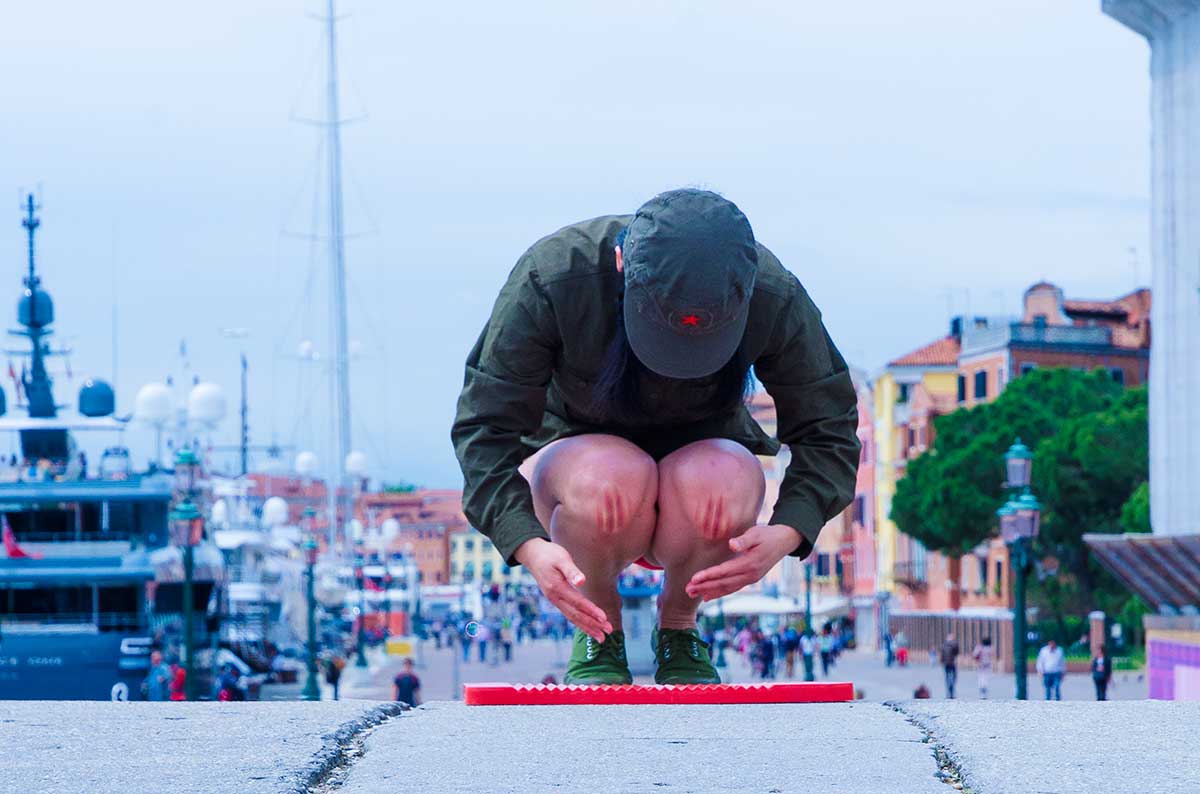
column 617, row 396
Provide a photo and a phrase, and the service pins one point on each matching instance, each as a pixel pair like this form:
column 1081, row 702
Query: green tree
column 949, row 495
column 1135, row 515
column 1089, row 438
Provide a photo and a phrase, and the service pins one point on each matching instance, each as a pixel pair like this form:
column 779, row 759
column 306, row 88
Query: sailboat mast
column 337, row 265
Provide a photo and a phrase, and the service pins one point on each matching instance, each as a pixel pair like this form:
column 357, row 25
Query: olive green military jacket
column 530, row 379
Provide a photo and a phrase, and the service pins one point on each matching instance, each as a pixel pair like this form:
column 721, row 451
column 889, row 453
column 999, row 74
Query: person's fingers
column 570, row 572
column 747, row 540
column 580, row 603
column 721, row 587
column 583, row 622
column 736, row 565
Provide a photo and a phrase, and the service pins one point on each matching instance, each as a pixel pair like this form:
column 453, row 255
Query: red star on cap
column 689, row 319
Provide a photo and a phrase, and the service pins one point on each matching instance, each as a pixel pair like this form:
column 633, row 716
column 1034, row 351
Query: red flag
column 14, row 551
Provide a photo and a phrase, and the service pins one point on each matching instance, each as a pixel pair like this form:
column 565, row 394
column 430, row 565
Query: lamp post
column 1020, row 520
column 808, row 595
column 361, row 658
column 387, row 600
column 187, row 528
column 312, row 690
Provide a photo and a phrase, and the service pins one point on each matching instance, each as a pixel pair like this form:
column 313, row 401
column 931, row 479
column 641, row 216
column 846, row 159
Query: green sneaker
column 598, row 662
column 683, row 658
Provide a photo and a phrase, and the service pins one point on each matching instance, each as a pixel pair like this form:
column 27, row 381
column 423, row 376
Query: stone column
column 1173, row 29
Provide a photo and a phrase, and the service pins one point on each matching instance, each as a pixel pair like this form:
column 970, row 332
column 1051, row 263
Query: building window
column 860, row 509
column 962, row 388
column 921, row 437
column 912, row 438
column 487, row 570
column 1039, row 321
column 999, row 577
column 981, row 384
column 983, row 572
column 902, row 397
column 469, row 544
column 1118, row 374
column 1027, row 367
column 822, row 565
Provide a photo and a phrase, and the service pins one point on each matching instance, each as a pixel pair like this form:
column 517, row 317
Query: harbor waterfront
column 778, row 398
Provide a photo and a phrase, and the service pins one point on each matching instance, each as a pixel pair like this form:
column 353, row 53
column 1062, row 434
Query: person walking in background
column 158, row 681
column 177, row 689
column 808, row 648
column 826, row 651
column 1052, row 663
column 1101, row 672
column 949, row 659
column 766, row 655
column 407, row 685
column 889, row 654
column 791, row 644
column 985, row 661
column 481, row 639
column 333, row 672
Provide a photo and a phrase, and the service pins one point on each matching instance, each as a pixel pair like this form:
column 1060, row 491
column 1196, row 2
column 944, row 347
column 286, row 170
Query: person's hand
column 555, row 572
column 755, row 552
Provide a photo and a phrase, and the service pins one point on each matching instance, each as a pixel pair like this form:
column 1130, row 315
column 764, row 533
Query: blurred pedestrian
column 333, row 672
column 889, row 654
column 1052, row 663
column 177, row 689
column 407, row 686
column 506, row 640
column 1101, row 672
column 791, row 644
column 985, row 660
column 766, row 654
column 481, row 639
column 949, row 660
column 158, row 682
column 826, row 650
column 229, row 685
column 808, row 649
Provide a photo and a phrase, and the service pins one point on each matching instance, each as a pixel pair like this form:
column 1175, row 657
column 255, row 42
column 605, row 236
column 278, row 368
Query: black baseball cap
column 690, row 262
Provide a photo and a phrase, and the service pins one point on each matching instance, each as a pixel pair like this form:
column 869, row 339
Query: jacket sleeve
column 817, row 410
column 503, row 398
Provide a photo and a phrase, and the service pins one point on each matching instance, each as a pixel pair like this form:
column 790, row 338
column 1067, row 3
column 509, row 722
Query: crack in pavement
column 950, row 769
column 341, row 749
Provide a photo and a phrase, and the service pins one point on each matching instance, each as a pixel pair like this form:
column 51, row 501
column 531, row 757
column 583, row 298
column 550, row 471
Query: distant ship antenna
column 337, row 265
column 36, row 313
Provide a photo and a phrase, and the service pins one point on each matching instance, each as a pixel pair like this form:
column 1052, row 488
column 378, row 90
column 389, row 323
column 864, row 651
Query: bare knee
column 603, row 482
column 715, row 486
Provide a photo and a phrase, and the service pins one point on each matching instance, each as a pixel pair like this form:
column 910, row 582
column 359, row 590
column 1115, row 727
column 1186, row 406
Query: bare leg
column 708, row 492
column 595, row 495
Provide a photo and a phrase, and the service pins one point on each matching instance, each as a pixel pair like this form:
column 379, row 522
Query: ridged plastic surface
column 646, row 694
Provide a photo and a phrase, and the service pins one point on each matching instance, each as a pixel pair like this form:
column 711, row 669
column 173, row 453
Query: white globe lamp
column 306, row 464
column 206, row 404
column 356, row 464
column 275, row 512
column 153, row 404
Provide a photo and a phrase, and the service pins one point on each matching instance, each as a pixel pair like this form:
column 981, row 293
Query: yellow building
column 474, row 560
column 934, row 370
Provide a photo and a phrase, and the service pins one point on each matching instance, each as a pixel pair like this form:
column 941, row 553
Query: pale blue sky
column 903, row 159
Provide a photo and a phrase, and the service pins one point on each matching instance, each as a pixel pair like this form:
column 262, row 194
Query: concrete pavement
column 914, row 747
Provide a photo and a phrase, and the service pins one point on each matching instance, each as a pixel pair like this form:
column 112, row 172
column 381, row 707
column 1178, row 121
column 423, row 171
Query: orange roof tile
column 942, row 353
column 1094, row 307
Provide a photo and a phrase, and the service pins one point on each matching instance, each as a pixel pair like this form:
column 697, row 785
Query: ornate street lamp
column 312, row 690
column 387, row 600
column 187, row 473
column 1019, row 519
column 361, row 660
column 1018, row 465
column 187, row 529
